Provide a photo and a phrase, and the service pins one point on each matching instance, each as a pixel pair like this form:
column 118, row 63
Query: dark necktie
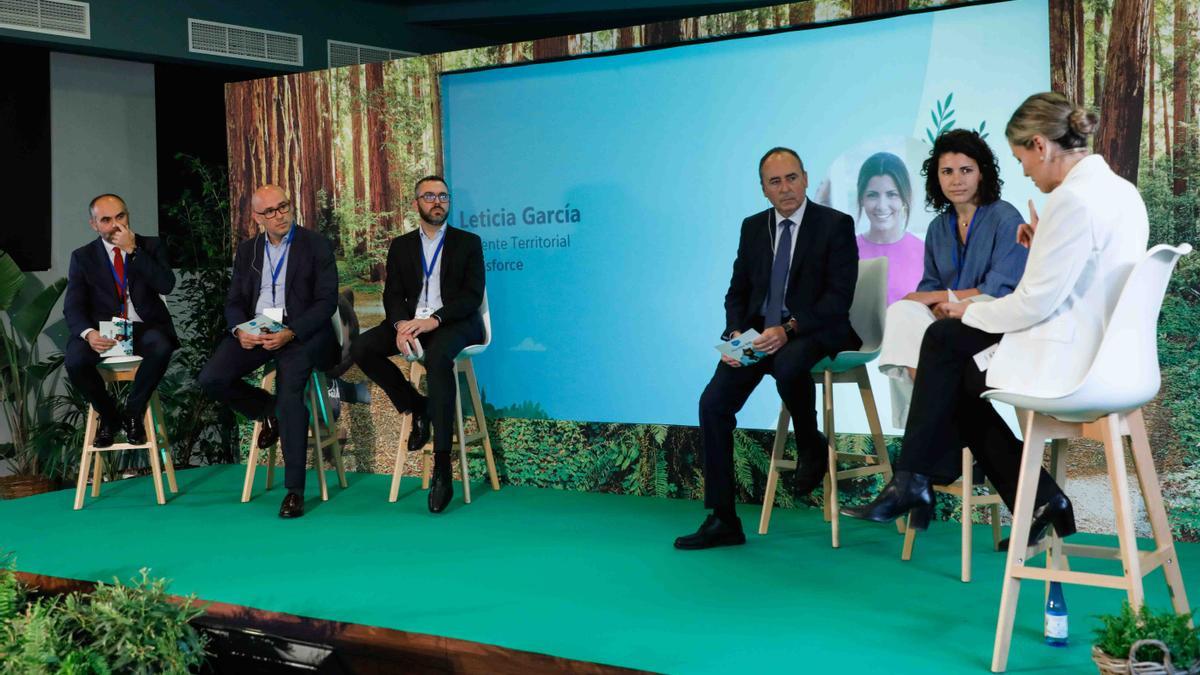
column 779, row 274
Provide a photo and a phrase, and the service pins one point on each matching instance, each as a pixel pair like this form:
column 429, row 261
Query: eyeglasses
column 279, row 209
column 430, row 197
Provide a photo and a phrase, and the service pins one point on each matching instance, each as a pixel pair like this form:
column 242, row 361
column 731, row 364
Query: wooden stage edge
column 365, row 649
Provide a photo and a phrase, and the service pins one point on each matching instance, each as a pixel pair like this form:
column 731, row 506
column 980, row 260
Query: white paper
column 274, row 313
column 261, row 325
column 984, row 358
column 739, row 348
column 120, row 330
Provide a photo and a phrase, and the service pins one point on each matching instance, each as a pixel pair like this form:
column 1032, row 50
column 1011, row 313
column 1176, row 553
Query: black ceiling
column 511, row 21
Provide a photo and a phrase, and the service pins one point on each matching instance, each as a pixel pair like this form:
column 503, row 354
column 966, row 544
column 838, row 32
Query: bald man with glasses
column 286, row 273
column 434, row 288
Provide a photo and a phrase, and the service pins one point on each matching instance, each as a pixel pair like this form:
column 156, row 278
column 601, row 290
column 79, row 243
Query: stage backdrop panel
column 609, row 191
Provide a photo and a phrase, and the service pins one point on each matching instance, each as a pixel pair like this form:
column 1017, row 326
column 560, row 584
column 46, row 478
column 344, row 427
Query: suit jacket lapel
column 805, row 235
column 107, row 285
column 295, row 251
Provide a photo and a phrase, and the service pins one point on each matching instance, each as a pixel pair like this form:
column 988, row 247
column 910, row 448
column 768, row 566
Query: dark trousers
column 727, row 392
column 947, row 413
column 155, row 348
column 221, row 380
column 371, row 351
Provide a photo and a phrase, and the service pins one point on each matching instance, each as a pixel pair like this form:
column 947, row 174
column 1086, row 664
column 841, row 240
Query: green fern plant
column 1118, row 632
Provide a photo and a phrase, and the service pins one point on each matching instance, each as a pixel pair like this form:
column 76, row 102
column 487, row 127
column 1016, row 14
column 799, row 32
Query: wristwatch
column 789, row 327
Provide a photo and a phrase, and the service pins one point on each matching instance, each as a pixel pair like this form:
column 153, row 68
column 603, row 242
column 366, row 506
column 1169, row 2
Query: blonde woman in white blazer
column 1042, row 337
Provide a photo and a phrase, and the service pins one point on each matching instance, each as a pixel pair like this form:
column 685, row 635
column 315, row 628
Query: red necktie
column 119, row 266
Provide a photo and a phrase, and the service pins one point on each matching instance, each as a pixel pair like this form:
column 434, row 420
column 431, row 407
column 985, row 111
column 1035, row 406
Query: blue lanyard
column 122, row 282
column 287, row 245
column 960, row 259
column 428, row 268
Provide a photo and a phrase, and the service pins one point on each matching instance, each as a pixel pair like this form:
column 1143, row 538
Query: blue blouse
column 991, row 261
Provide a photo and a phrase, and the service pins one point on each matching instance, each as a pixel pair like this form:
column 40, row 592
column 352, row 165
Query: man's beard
column 434, row 220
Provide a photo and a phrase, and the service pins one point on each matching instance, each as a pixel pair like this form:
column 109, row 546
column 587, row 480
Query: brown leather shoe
column 292, row 507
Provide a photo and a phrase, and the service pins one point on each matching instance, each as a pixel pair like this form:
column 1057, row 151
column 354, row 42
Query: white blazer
column 1092, row 231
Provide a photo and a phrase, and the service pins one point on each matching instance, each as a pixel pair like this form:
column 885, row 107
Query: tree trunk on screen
column 1125, row 78
column 870, row 7
column 800, row 13
column 550, row 48
column 663, row 33
column 377, row 156
column 1180, row 80
column 1098, row 53
column 1066, row 48
column 1150, row 83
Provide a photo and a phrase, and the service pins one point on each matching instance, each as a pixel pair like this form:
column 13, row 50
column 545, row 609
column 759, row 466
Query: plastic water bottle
column 1056, row 616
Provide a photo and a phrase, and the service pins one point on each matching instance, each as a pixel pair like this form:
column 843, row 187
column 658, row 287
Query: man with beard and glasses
column 431, row 297
column 288, row 274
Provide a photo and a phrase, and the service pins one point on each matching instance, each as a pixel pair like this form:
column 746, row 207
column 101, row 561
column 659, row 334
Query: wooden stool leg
column 401, row 457
column 251, row 463
column 968, row 492
column 781, row 429
column 98, row 472
column 1156, row 513
column 1031, row 464
column 831, row 498
column 462, row 439
column 155, row 458
column 1114, row 452
column 426, row 470
column 995, row 517
column 910, row 538
column 481, row 422
column 877, row 439
column 85, row 457
column 314, row 427
column 160, row 426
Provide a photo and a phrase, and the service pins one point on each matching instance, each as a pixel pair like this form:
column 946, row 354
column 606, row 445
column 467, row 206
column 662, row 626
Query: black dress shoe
column 292, row 506
column 106, row 433
column 441, row 490
column 135, row 428
column 1057, row 511
column 907, row 492
column 812, row 466
column 419, row 436
column 713, row 532
column 269, row 433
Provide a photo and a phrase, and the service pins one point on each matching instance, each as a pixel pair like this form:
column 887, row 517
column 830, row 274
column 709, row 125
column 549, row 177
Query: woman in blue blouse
column 971, row 252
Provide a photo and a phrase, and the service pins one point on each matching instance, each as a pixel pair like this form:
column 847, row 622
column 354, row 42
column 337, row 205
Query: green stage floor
column 583, row 576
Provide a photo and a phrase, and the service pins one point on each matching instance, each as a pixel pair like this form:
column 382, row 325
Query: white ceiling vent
column 349, row 54
column 240, row 42
column 53, row 17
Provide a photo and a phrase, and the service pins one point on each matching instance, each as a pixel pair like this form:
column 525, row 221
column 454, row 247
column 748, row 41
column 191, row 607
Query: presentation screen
column 609, row 191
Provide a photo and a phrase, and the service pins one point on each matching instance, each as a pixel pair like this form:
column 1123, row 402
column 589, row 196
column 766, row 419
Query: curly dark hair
column 971, row 144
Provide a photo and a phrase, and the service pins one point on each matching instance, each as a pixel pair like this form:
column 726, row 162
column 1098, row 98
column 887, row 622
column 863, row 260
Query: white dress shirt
column 795, row 229
column 131, row 313
column 431, row 290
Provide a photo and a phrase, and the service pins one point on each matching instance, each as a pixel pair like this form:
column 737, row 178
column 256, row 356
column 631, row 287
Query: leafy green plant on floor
column 134, row 629
column 23, row 371
column 1118, row 632
column 198, row 426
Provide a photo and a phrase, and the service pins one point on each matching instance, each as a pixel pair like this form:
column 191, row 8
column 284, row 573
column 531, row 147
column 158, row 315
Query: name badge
column 274, row 313
column 984, row 358
column 424, row 312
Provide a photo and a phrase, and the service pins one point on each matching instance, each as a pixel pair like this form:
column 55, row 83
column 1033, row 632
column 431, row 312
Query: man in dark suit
column 793, row 281
column 432, row 296
column 119, row 274
column 286, row 273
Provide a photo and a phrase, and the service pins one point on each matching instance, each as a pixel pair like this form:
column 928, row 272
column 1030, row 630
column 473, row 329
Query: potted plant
column 1146, row 643
column 22, row 375
column 131, row 628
